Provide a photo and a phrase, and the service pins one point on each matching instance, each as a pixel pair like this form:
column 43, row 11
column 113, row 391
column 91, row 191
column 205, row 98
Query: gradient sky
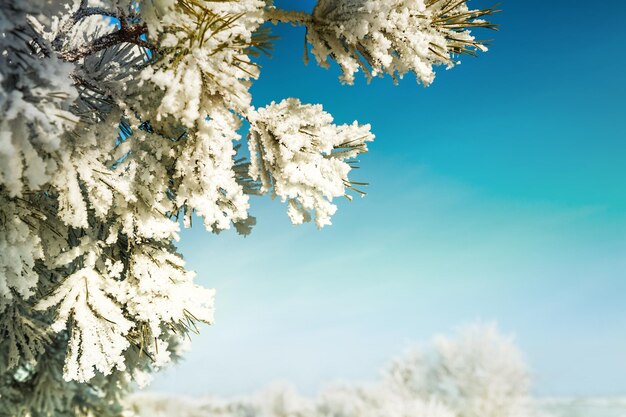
column 496, row 194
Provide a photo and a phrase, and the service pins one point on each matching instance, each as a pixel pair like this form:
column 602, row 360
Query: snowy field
column 584, row 407
column 154, row 405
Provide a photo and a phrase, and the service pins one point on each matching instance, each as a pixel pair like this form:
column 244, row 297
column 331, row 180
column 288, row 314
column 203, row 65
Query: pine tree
column 119, row 122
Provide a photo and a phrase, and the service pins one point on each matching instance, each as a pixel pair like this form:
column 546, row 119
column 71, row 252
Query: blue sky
column 496, row 194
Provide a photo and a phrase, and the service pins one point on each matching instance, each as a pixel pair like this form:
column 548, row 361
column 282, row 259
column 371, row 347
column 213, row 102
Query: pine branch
column 127, row 34
column 294, row 17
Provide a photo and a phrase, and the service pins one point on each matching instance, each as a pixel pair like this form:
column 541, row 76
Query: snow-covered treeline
column 477, row 373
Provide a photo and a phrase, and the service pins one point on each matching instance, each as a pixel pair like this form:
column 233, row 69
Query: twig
column 128, row 34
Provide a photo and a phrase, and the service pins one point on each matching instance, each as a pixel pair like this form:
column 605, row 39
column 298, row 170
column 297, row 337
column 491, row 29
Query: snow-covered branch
column 127, row 34
column 303, row 158
column 391, row 37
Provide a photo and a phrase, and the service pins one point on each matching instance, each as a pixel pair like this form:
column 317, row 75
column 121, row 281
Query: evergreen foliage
column 119, row 118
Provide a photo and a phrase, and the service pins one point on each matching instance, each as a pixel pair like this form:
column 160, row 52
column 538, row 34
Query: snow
column 159, row 405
